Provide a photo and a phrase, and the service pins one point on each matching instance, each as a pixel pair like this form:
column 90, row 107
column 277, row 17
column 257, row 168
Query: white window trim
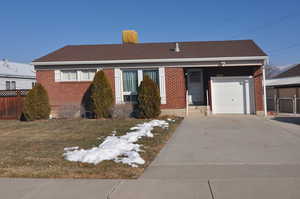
column 118, row 85
column 67, row 80
column 59, row 77
column 7, row 85
column 78, row 75
column 119, row 92
column 89, row 70
column 121, row 82
column 162, row 85
column 10, row 85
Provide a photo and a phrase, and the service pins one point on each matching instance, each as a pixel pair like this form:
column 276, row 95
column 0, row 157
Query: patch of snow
column 71, row 148
column 121, row 149
column 171, row 120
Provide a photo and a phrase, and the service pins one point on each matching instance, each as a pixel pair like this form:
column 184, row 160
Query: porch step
column 197, row 111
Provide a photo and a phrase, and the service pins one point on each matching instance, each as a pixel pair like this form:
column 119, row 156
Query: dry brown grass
column 34, row 149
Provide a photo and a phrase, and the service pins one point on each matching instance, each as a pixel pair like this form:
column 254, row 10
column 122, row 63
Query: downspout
column 265, row 88
column 186, row 95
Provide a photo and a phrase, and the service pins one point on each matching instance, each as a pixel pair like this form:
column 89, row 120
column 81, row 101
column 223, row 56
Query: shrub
column 102, row 98
column 36, row 104
column 148, row 99
column 87, row 104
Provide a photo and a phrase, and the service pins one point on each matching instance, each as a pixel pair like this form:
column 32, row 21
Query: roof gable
column 13, row 69
column 292, row 72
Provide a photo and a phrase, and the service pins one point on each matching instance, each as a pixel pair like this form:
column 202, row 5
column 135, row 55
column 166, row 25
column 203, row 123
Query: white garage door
column 232, row 95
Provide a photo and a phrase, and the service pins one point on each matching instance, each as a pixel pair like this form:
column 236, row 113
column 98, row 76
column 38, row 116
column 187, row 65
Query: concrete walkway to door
column 227, row 147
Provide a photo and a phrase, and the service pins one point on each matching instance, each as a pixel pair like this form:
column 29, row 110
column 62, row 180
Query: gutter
column 283, row 81
column 17, row 76
column 133, row 61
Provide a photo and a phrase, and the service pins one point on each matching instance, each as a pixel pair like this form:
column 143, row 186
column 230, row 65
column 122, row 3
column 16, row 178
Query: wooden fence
column 11, row 104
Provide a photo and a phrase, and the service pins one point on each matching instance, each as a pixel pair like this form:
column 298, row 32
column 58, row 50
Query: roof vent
column 177, row 49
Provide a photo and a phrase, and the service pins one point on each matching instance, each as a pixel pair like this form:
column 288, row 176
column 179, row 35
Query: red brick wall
column 258, row 89
column 175, row 88
column 66, row 93
column 71, row 93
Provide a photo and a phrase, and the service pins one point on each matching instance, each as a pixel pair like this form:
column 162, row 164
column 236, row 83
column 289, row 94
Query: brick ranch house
column 219, row 76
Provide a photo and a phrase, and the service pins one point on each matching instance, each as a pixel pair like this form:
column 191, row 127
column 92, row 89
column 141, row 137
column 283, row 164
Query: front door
column 195, row 87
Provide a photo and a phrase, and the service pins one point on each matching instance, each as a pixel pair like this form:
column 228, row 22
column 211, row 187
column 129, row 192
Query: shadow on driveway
column 288, row 119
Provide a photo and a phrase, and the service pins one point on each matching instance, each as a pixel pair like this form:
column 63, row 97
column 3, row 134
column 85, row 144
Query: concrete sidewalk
column 14, row 188
column 229, row 188
column 245, row 188
column 258, row 188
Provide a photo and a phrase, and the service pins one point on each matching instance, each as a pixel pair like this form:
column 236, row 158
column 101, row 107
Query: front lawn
column 35, row 149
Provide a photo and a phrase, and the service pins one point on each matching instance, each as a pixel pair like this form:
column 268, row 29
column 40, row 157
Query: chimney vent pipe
column 177, row 49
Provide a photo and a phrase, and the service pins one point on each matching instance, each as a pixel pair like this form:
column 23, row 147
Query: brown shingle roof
column 198, row 49
column 292, row 72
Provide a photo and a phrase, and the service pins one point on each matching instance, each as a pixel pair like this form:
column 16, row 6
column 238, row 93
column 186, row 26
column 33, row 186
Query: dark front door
column 195, row 87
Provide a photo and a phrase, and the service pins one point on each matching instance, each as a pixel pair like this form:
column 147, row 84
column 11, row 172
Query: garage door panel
column 230, row 96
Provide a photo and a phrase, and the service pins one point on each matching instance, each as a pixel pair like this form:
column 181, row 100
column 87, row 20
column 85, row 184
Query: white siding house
column 16, row 75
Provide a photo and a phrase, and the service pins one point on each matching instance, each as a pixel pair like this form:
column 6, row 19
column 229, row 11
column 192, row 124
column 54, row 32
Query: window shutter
column 57, row 75
column 118, row 86
column 162, row 85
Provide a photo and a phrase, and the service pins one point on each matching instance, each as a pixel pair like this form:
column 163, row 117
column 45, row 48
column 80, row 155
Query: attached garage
column 232, row 95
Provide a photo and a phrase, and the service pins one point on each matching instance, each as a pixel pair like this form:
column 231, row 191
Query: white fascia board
column 133, row 61
column 17, row 76
column 230, row 77
column 216, row 65
column 283, row 81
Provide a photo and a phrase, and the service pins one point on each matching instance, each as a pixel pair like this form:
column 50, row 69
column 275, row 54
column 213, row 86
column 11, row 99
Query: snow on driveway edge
column 121, row 149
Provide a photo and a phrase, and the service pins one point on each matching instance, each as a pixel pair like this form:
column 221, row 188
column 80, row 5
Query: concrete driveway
column 224, row 157
column 227, row 147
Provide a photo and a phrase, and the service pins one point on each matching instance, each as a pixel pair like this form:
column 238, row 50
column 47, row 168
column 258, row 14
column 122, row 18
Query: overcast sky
column 30, row 29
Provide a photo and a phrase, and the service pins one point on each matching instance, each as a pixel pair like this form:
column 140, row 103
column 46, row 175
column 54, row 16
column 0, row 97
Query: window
column 7, row 85
column 69, row 75
column 10, row 85
column 13, row 85
column 153, row 74
column 74, row 75
column 130, row 85
column 131, row 80
column 88, row 74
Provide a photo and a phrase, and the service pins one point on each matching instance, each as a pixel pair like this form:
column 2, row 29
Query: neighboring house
column 287, row 78
column 222, row 76
column 283, row 91
column 16, row 75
